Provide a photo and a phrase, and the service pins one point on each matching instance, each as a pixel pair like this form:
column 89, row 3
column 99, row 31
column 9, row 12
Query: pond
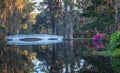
column 75, row 56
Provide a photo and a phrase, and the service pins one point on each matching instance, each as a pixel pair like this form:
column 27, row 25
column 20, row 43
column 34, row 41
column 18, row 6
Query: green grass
column 115, row 52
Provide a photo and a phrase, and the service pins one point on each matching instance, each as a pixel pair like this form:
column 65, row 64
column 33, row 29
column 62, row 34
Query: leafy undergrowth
column 115, row 40
column 115, row 52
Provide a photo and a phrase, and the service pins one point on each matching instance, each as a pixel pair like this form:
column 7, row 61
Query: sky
column 38, row 0
column 35, row 10
column 37, row 62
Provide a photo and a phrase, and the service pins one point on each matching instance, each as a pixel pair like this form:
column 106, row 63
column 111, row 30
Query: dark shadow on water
column 9, row 39
column 52, row 39
column 65, row 57
column 30, row 39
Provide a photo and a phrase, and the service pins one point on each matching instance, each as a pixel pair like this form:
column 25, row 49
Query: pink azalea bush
column 98, row 40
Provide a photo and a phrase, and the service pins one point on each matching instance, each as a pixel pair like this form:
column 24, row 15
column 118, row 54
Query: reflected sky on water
column 66, row 57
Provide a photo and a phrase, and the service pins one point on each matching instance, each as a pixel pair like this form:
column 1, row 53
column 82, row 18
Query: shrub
column 115, row 40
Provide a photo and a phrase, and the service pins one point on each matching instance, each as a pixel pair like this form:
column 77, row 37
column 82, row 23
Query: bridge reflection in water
column 33, row 39
column 73, row 56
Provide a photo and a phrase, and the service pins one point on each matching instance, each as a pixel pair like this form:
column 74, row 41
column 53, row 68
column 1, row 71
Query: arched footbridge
column 33, row 39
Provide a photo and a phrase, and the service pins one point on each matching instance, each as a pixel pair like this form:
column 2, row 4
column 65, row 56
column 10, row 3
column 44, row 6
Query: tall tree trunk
column 71, row 21
column 117, row 13
column 51, row 5
column 68, row 21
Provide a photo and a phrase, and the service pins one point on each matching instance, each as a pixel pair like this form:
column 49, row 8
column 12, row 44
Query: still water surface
column 64, row 57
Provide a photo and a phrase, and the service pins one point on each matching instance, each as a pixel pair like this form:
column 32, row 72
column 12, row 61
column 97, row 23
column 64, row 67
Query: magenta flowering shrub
column 98, row 40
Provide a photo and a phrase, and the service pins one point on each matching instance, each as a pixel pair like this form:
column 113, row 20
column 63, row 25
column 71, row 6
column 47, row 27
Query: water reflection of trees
column 11, row 58
column 66, row 58
column 54, row 55
column 12, row 61
column 56, row 58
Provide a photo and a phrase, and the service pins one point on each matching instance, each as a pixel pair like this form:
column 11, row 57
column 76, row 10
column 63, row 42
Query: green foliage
column 115, row 63
column 43, row 21
column 92, row 11
column 116, row 52
column 30, row 6
column 97, row 2
column 67, row 3
column 113, row 46
column 110, row 53
column 23, row 20
column 99, row 23
column 2, row 28
column 101, row 15
column 115, row 40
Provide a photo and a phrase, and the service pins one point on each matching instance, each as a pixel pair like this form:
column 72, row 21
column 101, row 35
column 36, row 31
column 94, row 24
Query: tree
column 43, row 23
column 12, row 13
column 99, row 15
column 117, row 13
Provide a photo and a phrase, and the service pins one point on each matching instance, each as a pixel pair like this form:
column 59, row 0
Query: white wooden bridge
column 20, row 39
